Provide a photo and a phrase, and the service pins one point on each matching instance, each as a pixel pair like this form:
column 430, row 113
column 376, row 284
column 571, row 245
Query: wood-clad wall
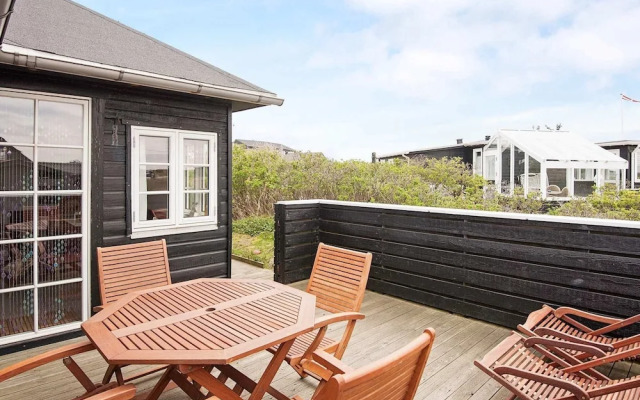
column 193, row 255
column 490, row 268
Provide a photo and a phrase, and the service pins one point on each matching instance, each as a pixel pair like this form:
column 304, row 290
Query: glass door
column 43, row 214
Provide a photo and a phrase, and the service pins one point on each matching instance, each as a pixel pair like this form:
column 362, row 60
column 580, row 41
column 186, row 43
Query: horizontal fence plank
column 497, row 269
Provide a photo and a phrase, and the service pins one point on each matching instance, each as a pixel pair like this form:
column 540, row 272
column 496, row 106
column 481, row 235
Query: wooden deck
column 390, row 323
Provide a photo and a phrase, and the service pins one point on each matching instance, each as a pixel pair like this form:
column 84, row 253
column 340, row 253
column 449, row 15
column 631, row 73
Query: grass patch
column 246, row 246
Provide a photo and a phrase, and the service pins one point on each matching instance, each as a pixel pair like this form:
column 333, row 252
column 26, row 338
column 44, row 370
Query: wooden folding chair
column 338, row 280
column 93, row 391
column 395, row 377
column 599, row 348
column 127, row 268
column 528, row 376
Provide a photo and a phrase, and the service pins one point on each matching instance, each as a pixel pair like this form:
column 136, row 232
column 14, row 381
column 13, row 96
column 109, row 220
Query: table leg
column 265, row 380
column 209, row 382
column 161, row 384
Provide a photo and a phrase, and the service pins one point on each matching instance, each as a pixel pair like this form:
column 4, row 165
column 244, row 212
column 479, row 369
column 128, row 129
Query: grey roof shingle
column 65, row 28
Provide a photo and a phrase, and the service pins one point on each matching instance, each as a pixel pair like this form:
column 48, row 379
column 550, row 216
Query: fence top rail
column 475, row 213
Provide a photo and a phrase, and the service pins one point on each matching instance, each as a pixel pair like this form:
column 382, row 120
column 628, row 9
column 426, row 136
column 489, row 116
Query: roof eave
column 6, row 8
column 39, row 60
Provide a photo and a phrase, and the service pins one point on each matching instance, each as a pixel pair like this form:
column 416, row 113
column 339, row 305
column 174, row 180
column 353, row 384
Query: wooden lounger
column 522, row 371
column 601, row 349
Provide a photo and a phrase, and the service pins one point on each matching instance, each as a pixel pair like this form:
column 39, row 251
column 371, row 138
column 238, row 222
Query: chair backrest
column 339, row 278
column 123, row 269
column 395, row 377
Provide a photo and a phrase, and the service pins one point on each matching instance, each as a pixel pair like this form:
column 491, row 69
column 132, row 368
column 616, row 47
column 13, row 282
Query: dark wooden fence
column 497, row 267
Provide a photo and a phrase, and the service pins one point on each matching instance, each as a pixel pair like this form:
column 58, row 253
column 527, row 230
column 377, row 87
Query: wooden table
column 198, row 325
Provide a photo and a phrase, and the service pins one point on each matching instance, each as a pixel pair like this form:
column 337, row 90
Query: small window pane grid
column 42, row 220
column 178, row 193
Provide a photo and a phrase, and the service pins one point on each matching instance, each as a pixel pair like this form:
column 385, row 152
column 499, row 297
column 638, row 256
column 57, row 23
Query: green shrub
column 253, row 226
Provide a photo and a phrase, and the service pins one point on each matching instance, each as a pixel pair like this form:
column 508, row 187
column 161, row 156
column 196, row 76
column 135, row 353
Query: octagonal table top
column 200, row 322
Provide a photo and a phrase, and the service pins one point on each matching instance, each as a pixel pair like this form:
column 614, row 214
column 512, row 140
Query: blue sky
column 360, row 76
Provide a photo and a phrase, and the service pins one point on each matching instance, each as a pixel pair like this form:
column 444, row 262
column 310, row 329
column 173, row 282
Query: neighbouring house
column 286, row 151
column 107, row 137
column 470, row 153
column 630, row 151
column 556, row 164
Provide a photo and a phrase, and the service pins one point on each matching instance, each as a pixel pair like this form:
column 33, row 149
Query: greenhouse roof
column 561, row 149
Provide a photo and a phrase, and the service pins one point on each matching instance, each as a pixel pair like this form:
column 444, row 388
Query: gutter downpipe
column 37, row 60
column 6, row 8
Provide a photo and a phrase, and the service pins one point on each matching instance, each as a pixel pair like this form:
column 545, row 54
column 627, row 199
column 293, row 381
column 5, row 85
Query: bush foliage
column 263, row 177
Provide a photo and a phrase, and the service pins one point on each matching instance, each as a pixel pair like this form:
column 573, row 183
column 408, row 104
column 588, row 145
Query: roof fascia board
column 38, row 60
column 587, row 164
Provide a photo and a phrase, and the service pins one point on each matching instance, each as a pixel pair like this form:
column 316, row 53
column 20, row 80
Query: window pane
column 154, row 149
column 534, row 175
column 196, row 205
column 59, row 259
column 154, row 206
column 196, row 151
column 59, row 305
column 16, row 168
column 16, row 312
column 16, row 265
column 154, row 178
column 196, row 178
column 17, row 122
column 16, row 216
column 60, row 123
column 59, row 215
column 59, row 169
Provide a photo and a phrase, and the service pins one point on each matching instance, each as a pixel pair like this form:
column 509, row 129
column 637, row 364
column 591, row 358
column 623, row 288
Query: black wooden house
column 107, row 137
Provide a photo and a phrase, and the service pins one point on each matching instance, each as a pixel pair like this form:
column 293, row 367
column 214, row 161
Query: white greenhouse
column 556, row 164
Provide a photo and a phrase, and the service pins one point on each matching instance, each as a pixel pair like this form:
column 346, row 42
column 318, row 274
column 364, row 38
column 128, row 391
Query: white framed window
column 584, row 174
column 173, row 181
column 636, row 167
column 477, row 161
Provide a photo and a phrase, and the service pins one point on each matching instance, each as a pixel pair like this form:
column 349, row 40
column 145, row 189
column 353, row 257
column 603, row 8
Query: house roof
column 620, row 143
column 69, row 30
column 561, row 149
column 479, row 143
column 263, row 144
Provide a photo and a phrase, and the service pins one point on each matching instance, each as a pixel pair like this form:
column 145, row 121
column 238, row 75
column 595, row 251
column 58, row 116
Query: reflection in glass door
column 43, row 225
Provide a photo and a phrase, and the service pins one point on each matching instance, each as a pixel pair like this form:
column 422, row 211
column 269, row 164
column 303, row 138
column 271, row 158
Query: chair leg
column 108, row 374
column 79, row 374
column 300, row 370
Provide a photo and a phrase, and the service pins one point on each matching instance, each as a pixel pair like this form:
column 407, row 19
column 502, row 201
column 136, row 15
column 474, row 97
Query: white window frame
column 176, row 223
column 85, row 236
column 635, row 175
column 477, row 155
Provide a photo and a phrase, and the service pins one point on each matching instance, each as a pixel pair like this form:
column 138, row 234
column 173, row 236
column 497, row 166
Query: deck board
column 390, row 324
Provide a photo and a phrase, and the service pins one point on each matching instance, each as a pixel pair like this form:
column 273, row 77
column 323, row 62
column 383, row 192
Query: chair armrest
column 570, row 338
column 97, row 309
column 576, row 390
column 45, row 358
column 562, row 344
column 126, row 392
column 331, row 363
column 617, row 325
column 562, row 311
column 339, row 317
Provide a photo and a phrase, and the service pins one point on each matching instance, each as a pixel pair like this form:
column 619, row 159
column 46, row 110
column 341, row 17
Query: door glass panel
column 59, row 169
column 59, row 304
column 154, row 149
column 59, row 215
column 16, row 168
column 60, row 123
column 154, row 206
column 16, row 265
column 16, row 312
column 17, row 122
column 59, row 259
column 196, row 151
column 534, row 175
column 196, row 205
column 16, row 217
